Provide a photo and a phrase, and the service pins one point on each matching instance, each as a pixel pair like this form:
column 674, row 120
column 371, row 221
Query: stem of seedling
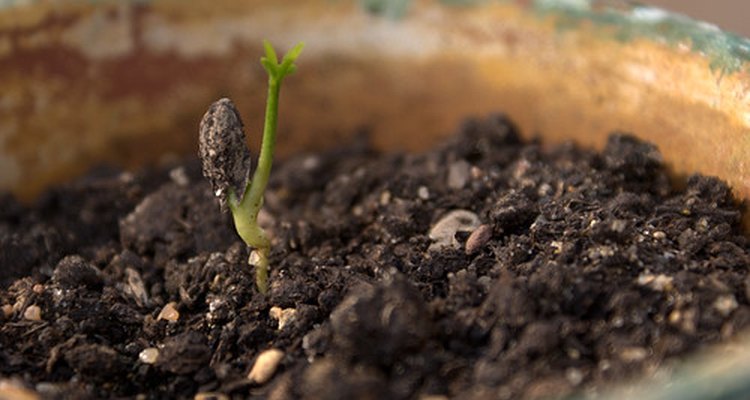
column 226, row 160
column 245, row 210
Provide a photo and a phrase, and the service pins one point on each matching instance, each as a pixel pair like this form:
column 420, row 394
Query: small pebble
column 659, row 282
column 12, row 390
column 33, row 313
column 7, row 310
column 210, row 396
column 169, row 312
column 443, row 233
column 633, row 354
column 478, row 238
column 126, row 177
column 572, row 353
column 38, row 288
column 674, row 317
column 178, row 176
column 149, row 355
column 385, row 198
column 725, row 305
column 458, row 174
column 545, row 189
column 284, row 316
column 265, row 366
column 423, row 193
column 574, row 376
column 618, row 225
column 659, row 235
column 311, row 162
column 476, row 172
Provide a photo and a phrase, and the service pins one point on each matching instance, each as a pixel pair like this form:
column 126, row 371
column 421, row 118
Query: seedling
column 227, row 164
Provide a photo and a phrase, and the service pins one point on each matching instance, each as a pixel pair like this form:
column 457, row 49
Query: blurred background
column 730, row 15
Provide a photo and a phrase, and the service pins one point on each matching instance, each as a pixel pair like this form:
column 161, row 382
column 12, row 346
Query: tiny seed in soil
column 38, row 288
column 33, row 313
column 265, row 366
column 136, row 287
column 169, row 312
column 149, row 355
column 478, row 238
column 7, row 310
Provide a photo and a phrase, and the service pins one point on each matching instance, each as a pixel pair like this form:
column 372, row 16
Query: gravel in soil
column 486, row 268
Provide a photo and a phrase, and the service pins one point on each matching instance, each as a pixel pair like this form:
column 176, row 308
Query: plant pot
column 126, row 83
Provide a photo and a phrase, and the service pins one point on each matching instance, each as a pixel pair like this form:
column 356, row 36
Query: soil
column 486, row 268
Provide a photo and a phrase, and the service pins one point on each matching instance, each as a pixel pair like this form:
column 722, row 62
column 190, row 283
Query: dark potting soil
column 486, row 268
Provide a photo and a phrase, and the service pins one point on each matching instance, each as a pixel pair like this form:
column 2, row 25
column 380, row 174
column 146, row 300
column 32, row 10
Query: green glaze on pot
column 728, row 53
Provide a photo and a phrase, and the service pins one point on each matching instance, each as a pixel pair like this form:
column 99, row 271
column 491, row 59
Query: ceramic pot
column 83, row 83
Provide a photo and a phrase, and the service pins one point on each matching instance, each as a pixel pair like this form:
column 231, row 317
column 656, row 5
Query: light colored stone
column 458, row 174
column 149, row 355
column 574, row 376
column 33, row 313
column 476, row 172
column 210, row 396
column 658, row 283
column 7, row 310
column 385, row 198
column 265, row 366
column 169, row 312
column 633, row 354
column 15, row 391
column 283, row 316
column 423, row 193
column 443, row 233
column 179, row 176
column 684, row 319
column 725, row 304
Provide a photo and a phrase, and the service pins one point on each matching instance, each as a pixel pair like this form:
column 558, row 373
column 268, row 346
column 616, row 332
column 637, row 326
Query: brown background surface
column 730, row 15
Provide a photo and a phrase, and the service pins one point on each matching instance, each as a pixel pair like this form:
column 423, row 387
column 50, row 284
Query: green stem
column 254, row 195
column 245, row 212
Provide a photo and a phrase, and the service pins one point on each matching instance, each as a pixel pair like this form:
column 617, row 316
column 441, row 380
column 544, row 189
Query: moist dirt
column 487, row 268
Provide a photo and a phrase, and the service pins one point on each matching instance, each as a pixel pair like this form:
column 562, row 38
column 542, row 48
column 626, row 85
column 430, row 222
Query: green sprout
column 226, row 160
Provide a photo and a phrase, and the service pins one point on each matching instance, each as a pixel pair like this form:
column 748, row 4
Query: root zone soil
column 486, row 268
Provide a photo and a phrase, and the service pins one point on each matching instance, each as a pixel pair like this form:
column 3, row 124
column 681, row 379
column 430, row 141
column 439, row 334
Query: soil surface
column 486, row 268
